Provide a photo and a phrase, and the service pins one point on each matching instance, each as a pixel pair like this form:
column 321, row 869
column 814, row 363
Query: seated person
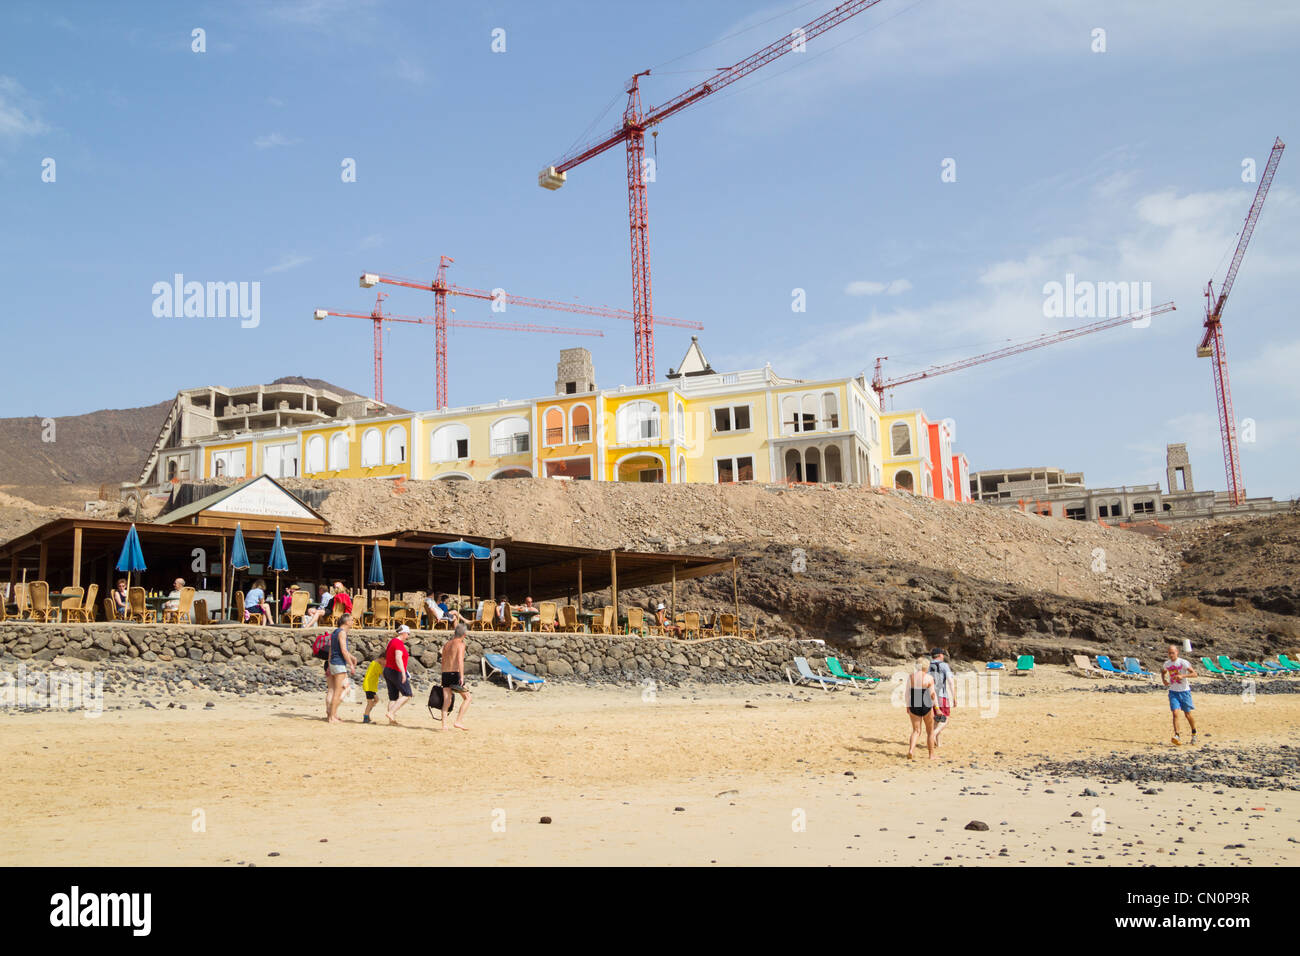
column 503, row 618
column 173, row 602
column 119, row 598
column 314, row 614
column 433, row 610
column 341, row 602
column 661, row 620
column 255, row 602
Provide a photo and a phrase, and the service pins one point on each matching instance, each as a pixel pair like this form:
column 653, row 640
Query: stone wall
column 576, row 656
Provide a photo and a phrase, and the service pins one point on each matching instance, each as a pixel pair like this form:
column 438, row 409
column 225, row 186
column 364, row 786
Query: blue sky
column 821, row 173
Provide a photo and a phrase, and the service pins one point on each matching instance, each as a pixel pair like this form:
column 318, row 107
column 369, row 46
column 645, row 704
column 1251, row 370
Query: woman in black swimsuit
column 920, row 706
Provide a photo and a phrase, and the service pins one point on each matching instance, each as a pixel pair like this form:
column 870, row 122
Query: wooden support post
column 13, row 569
column 76, row 557
column 735, row 592
column 473, row 603
column 672, row 610
column 492, row 574
column 613, row 587
column 359, row 568
column 530, row 583
column 45, row 553
column 580, row 584
column 223, row 577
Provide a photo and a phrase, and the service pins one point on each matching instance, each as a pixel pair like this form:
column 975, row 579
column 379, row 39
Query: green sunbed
column 1214, row 668
column 1025, row 664
column 1288, row 663
column 837, row 670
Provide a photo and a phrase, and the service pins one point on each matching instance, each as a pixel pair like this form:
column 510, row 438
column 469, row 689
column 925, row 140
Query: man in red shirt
column 397, row 676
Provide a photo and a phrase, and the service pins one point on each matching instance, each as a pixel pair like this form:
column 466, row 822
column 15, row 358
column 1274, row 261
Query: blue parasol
column 375, row 576
column 132, row 558
column 277, row 562
column 462, row 550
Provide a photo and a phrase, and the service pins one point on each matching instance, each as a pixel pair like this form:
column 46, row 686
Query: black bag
column 436, row 693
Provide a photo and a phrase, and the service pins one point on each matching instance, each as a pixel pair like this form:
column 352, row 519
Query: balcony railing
column 510, row 445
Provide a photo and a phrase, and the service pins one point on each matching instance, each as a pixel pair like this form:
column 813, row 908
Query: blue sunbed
column 806, row 676
column 1133, row 666
column 500, row 664
column 1103, row 661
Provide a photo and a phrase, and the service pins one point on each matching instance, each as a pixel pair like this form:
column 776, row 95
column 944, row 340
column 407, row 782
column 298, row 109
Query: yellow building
column 699, row 425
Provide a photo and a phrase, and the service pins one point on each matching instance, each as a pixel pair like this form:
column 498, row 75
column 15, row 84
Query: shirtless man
column 453, row 678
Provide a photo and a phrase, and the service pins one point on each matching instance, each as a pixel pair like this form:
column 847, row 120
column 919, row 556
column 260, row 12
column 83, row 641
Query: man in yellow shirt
column 370, row 684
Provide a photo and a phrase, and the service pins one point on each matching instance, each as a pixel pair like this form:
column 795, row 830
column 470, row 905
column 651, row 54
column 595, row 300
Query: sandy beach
column 697, row 775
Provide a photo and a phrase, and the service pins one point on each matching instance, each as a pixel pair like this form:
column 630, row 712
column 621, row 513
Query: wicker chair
column 181, row 613
column 546, row 616
column 137, row 609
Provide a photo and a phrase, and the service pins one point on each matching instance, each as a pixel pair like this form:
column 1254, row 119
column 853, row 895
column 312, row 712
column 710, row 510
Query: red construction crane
column 632, row 134
column 1212, row 338
column 441, row 288
column 379, row 317
column 880, row 385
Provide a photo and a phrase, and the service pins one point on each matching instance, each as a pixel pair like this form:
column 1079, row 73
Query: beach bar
column 194, row 543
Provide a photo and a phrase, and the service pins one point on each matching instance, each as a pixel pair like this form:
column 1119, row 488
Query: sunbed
column 806, row 676
column 837, row 670
column 1214, row 668
column 1230, row 667
column 1273, row 668
column 1288, row 663
column 1081, row 663
column 1133, row 666
column 500, row 664
column 1250, row 667
column 1104, row 662
column 1025, row 664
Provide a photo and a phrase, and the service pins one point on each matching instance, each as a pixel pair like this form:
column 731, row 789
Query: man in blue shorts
column 1174, row 673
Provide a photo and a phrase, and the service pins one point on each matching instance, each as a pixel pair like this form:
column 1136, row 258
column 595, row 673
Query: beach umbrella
column 238, row 561
column 375, row 576
column 277, row 562
column 132, row 558
column 462, row 550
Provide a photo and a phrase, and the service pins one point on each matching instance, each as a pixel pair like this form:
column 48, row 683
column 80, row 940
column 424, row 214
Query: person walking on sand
column 397, row 659
column 1174, row 674
column 943, row 693
column 453, row 680
column 920, row 706
column 341, row 664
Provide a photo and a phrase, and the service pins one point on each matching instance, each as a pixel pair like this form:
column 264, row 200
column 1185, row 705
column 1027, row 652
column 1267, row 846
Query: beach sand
column 762, row 775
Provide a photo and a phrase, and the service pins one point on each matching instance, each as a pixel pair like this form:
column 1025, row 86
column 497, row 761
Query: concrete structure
column 1055, row 492
column 699, row 425
column 219, row 414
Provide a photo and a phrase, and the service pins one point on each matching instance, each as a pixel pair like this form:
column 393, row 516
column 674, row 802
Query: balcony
column 513, row 444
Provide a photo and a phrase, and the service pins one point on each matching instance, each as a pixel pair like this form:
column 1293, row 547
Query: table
column 526, row 616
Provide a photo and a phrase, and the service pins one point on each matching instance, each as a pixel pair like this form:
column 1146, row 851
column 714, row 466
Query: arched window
column 338, row 452
column 681, row 422
column 834, row 466
column 793, row 465
column 395, row 446
column 315, row 454
column 638, row 421
column 681, row 467
column 553, row 426
column 830, row 411
column 220, row 468
column 580, row 424
column 789, row 416
column 808, row 408
column 510, row 436
column 903, row 480
column 171, row 469
column 449, row 443
column 929, row 486
column 901, row 437
column 812, row 465
column 370, row 448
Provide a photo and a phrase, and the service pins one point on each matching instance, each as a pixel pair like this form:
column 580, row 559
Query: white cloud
column 18, row 113
column 271, row 140
column 410, row 71
column 289, row 262
column 864, row 287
